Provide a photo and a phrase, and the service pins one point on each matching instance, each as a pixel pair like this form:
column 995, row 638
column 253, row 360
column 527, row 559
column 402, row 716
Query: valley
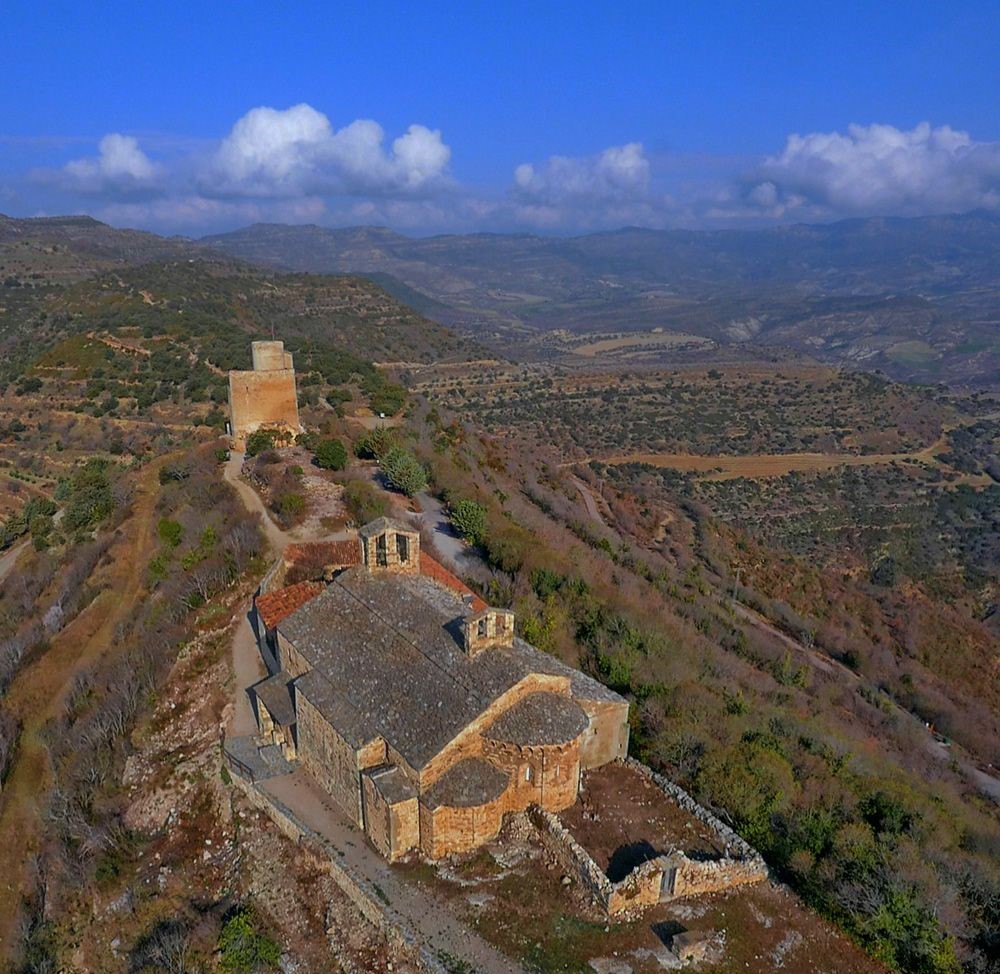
column 787, row 567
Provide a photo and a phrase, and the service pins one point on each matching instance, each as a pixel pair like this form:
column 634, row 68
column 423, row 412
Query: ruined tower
column 264, row 398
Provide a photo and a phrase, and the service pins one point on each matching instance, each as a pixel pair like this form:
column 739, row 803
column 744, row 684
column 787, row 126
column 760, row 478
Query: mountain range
column 918, row 298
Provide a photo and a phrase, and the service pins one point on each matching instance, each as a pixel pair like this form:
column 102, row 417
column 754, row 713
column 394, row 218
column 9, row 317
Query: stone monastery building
column 414, row 704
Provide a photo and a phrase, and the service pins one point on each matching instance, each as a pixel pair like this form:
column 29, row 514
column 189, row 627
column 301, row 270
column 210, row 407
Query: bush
column 330, row 455
column 388, row 399
column 404, row 471
column 364, row 502
column 375, row 444
column 243, row 949
column 171, row 533
column 469, row 519
column 291, row 504
column 260, row 440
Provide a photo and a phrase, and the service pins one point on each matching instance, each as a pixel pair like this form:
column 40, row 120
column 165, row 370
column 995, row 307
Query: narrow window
column 528, row 774
column 403, row 547
column 482, row 629
column 381, row 552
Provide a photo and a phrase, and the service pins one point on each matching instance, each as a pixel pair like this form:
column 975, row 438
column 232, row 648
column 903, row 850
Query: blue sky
column 548, row 117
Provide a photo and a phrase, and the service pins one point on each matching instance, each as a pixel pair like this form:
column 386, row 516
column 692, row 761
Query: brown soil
column 622, row 820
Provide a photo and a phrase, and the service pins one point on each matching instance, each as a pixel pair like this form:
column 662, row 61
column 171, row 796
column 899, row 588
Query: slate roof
column 468, row 783
column 274, row 606
column 539, row 718
column 276, row 695
column 387, row 662
column 392, row 784
column 382, row 524
column 434, row 569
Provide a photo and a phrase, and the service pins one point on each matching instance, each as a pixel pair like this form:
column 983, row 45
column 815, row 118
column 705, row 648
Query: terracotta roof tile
column 435, row 570
column 275, row 606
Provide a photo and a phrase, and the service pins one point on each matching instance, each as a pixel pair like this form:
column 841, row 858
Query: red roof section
column 329, row 554
column 433, row 569
column 281, row 603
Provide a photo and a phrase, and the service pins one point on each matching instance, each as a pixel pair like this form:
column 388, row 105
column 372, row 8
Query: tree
column 330, row 455
column 375, row 444
column 469, row 519
column 404, row 471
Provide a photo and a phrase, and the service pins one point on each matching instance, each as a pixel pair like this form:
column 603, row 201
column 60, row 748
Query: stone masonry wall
column 262, row 400
column 666, row 877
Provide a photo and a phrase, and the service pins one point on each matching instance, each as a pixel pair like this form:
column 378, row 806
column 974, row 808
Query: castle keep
column 414, row 704
column 264, row 398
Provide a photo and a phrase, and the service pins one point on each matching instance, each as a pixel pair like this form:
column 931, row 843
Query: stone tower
column 264, row 398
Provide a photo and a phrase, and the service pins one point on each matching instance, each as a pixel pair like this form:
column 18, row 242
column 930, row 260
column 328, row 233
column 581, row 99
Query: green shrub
column 170, row 532
column 375, row 444
column 243, row 949
column 469, row 519
column 330, row 455
column 364, row 502
column 260, row 440
column 404, row 471
column 291, row 504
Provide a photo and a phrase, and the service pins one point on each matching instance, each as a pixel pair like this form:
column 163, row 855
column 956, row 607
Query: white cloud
column 878, row 169
column 290, row 152
column 619, row 173
column 120, row 167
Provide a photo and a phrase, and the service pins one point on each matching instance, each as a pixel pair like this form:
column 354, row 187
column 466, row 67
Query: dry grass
column 37, row 695
column 723, row 467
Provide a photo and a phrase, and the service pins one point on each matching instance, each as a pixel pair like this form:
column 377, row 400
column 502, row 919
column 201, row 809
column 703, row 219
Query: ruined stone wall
column 691, row 878
column 259, row 400
column 736, row 847
column 606, row 739
column 666, row 877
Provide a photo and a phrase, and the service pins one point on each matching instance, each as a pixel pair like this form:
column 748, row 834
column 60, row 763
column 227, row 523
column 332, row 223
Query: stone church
column 415, row 705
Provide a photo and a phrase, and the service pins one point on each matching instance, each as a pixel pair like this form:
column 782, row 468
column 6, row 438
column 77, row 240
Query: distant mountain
column 67, row 248
column 919, row 298
column 60, row 272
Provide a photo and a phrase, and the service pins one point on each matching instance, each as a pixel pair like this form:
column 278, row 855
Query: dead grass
column 760, row 466
column 38, row 693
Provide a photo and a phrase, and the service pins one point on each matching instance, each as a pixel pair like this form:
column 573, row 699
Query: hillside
column 918, row 298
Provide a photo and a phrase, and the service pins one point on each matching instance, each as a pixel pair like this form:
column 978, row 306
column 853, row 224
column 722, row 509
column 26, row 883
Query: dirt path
column 9, row 559
column 37, row 694
column 415, row 906
column 276, row 538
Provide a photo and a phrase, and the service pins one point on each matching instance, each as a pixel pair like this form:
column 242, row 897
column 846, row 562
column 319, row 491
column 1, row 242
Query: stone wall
column 606, row 739
column 666, row 877
column 329, row 759
column 262, row 400
column 446, row 831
